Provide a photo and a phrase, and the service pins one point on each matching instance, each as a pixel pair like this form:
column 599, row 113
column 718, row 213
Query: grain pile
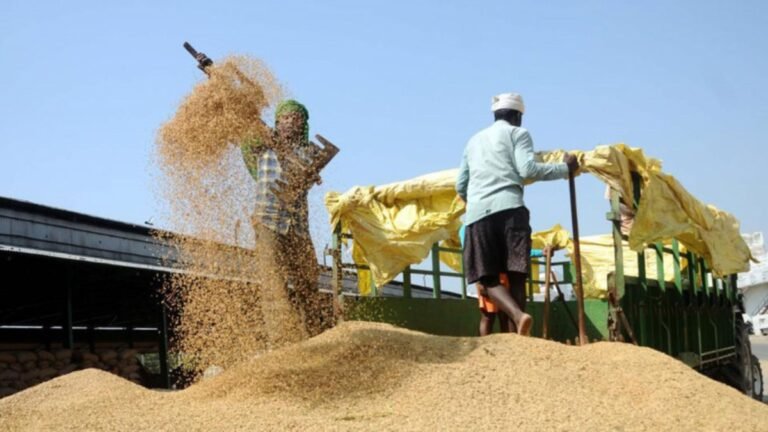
column 230, row 302
column 367, row 376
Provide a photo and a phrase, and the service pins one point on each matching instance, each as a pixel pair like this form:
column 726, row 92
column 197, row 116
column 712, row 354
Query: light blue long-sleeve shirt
column 496, row 162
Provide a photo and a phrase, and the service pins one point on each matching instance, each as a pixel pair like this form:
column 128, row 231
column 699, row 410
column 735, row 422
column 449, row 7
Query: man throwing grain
column 280, row 217
column 496, row 162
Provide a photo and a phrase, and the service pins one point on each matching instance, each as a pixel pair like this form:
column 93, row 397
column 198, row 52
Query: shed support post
column 69, row 339
column 162, row 331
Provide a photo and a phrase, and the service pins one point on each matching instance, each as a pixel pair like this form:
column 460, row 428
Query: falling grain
column 230, row 301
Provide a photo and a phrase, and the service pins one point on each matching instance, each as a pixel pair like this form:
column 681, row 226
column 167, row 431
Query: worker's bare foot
column 525, row 324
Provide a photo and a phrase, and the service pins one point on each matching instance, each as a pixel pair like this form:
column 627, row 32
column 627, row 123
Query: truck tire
column 739, row 373
column 757, row 379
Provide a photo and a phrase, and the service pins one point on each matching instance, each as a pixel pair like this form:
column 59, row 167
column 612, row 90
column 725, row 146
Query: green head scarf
column 291, row 106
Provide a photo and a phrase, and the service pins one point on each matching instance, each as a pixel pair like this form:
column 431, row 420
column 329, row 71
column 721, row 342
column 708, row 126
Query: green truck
column 690, row 315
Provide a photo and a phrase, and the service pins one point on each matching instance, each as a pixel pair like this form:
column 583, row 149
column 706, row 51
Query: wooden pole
column 577, row 260
column 337, row 275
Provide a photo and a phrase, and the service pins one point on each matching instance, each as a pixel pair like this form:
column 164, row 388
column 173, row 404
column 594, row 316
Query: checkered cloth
column 264, row 166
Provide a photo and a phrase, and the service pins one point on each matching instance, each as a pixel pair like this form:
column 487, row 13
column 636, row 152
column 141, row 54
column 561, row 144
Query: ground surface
column 367, row 376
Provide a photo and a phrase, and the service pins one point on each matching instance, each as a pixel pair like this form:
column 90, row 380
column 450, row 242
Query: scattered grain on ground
column 367, row 376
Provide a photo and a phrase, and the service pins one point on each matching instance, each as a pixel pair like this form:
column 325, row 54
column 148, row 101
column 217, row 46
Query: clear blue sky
column 399, row 86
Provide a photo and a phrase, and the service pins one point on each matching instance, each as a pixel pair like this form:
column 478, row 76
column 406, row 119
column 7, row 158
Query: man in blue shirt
column 494, row 167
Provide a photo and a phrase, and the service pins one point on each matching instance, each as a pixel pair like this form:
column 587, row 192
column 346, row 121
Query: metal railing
column 436, row 271
column 691, row 294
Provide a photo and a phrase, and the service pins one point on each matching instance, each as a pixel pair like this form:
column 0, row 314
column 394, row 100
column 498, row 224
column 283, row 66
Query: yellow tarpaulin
column 395, row 225
column 598, row 260
column 667, row 210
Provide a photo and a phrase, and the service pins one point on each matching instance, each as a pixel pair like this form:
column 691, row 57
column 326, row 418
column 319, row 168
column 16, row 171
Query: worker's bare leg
column 517, row 291
column 517, row 283
column 486, row 322
column 506, row 325
column 507, row 304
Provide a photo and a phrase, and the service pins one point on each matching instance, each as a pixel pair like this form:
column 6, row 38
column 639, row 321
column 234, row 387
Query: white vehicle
column 748, row 322
column 760, row 324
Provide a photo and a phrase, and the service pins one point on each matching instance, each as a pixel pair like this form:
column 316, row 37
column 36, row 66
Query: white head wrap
column 508, row 101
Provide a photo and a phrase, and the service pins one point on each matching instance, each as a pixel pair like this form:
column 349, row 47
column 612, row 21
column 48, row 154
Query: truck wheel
column 757, row 379
column 739, row 373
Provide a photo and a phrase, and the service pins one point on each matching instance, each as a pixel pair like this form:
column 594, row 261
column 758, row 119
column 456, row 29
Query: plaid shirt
column 264, row 166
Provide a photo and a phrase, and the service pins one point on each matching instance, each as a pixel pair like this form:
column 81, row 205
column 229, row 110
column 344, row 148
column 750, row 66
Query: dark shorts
column 500, row 242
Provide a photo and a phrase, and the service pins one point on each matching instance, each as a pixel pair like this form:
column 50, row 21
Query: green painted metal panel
column 462, row 317
column 688, row 318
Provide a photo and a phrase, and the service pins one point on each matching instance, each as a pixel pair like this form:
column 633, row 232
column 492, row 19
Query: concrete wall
column 754, row 296
column 20, row 369
column 754, row 283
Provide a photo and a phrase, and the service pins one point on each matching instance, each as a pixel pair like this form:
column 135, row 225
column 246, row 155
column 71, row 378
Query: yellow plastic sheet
column 395, row 225
column 667, row 210
column 556, row 238
column 598, row 260
column 704, row 229
column 611, row 164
